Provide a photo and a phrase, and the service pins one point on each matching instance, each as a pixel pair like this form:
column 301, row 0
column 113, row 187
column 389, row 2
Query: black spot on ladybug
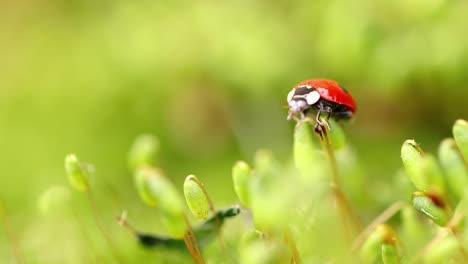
column 302, row 90
column 342, row 88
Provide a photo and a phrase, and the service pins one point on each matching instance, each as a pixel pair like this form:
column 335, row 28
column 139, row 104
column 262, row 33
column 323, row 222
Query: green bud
column 54, row 199
column 156, row 190
column 460, row 134
column 142, row 187
column 196, row 197
column 77, row 172
column 241, row 175
column 412, row 155
column 454, row 167
column 389, row 254
column 422, row 169
column 337, row 135
column 432, row 206
column 371, row 249
column 143, row 152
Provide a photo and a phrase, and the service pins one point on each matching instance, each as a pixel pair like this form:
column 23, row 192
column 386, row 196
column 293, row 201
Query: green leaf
column 196, row 198
column 390, row 254
column 78, row 173
column 308, row 157
column 241, row 176
column 430, row 205
column 156, row 190
column 371, row 249
column 454, row 167
column 460, row 134
column 337, row 135
column 144, row 152
column 422, row 169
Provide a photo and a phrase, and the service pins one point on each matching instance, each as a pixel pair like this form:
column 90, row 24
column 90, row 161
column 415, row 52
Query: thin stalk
column 100, row 226
column 85, row 234
column 382, row 218
column 122, row 219
column 344, row 207
column 296, row 259
column 11, row 235
column 213, row 211
column 192, row 244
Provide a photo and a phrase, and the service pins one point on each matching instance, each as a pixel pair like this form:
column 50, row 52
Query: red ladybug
column 321, row 95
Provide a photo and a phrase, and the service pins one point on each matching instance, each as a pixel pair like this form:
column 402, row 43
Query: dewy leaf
column 241, row 176
column 196, row 198
column 77, row 172
column 431, row 207
column 460, row 134
column 454, row 167
column 144, row 152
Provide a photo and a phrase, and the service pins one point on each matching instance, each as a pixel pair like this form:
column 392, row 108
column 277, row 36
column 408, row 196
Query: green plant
column 294, row 208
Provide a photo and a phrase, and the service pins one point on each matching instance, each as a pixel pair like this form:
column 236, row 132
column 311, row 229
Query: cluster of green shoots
column 302, row 210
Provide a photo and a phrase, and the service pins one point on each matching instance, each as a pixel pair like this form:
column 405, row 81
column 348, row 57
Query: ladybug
column 320, row 95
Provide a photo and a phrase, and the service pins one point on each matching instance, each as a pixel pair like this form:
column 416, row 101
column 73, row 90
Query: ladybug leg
column 329, row 110
column 318, row 124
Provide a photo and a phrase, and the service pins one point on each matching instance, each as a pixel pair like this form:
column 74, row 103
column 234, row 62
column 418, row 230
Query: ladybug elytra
column 321, row 95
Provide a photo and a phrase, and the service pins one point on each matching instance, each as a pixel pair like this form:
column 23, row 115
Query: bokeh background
column 210, row 79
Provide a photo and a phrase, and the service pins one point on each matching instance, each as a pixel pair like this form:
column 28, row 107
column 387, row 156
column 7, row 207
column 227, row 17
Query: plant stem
column 11, row 235
column 292, row 245
column 100, row 226
column 344, row 207
column 192, row 244
column 382, row 218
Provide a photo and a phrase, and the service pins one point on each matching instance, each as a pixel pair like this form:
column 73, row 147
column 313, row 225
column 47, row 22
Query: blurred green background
column 210, row 79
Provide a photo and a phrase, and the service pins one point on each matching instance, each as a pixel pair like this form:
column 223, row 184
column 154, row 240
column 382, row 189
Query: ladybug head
column 301, row 98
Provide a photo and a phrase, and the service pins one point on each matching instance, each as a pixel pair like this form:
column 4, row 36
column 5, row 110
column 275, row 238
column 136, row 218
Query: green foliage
column 454, row 167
